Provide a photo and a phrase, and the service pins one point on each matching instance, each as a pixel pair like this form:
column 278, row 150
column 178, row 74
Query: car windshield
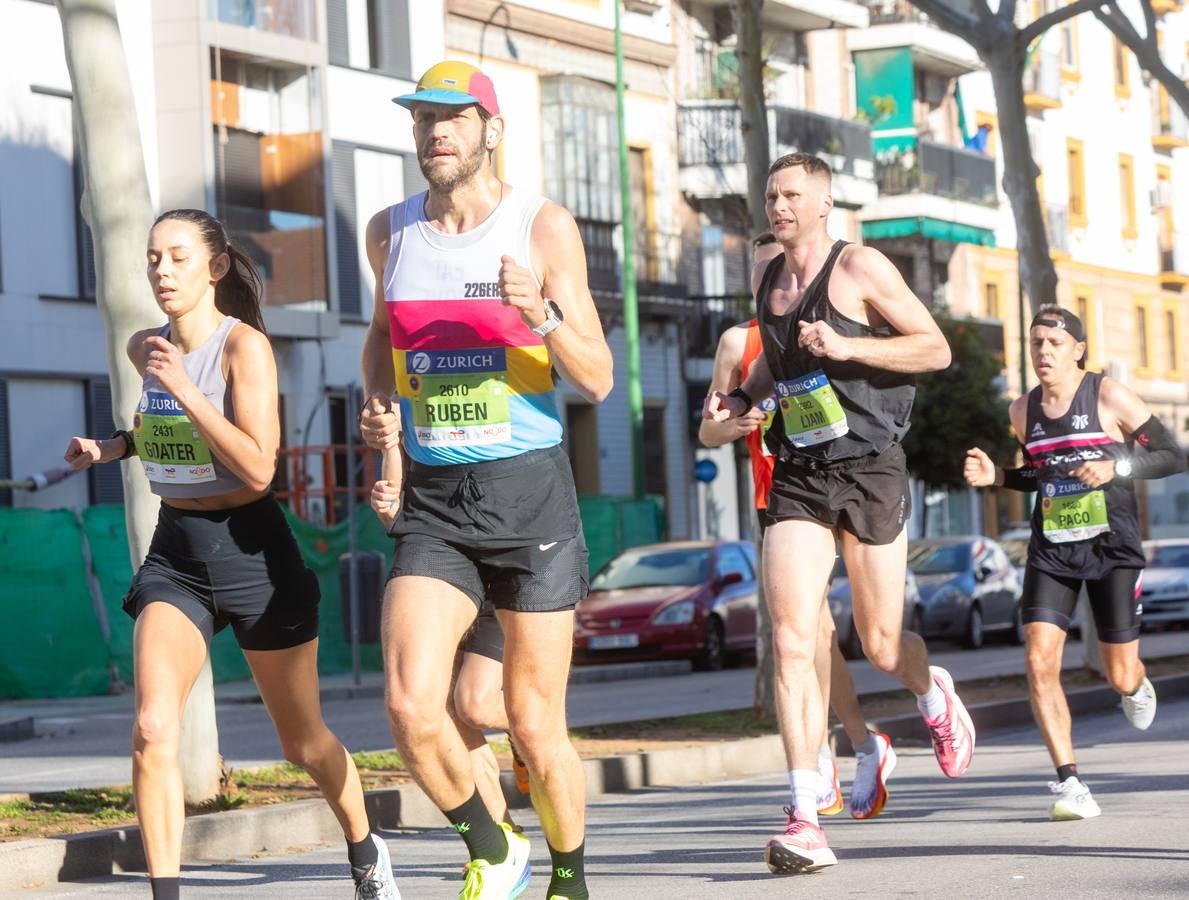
column 1170, row 556
column 937, row 559
column 654, row 568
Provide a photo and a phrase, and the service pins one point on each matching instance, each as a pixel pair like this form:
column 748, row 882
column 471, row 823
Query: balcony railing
column 1042, row 80
column 656, row 257
column 891, row 12
column 940, row 170
column 1170, row 126
column 710, row 317
column 710, row 134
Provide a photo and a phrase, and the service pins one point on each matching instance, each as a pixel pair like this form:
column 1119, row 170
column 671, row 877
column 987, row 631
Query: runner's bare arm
column 728, row 360
column 919, row 345
column 248, row 446
column 385, row 496
column 578, row 349
column 137, row 350
column 379, row 423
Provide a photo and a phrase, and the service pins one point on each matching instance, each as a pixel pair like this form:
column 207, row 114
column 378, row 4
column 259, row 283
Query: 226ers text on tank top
column 177, row 459
column 829, row 410
column 762, row 460
column 475, row 383
column 1076, row 530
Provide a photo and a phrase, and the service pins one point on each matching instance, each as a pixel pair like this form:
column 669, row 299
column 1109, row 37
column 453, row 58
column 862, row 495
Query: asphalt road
column 83, row 742
column 985, row 836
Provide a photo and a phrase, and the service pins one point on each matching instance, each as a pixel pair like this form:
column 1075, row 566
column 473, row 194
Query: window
column 269, row 172
column 731, row 559
column 1165, row 228
column 106, row 483
column 1069, row 50
column 582, row 445
column 655, row 480
column 1076, row 165
column 373, row 34
column 991, row 308
column 292, row 18
column 1142, row 342
column 1127, row 196
column 714, row 266
column 1122, row 70
column 1172, row 336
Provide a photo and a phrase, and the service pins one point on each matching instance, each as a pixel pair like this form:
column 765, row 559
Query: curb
column 307, row 823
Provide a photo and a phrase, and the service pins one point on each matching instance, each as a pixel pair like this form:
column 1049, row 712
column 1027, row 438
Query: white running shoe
column 1073, row 801
column 377, row 882
column 829, row 798
column 1140, row 707
column 869, row 791
column 499, row 881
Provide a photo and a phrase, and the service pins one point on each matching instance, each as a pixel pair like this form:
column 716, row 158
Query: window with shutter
column 342, row 172
column 106, row 483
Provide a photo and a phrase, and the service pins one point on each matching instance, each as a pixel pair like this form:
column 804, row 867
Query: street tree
column 116, row 206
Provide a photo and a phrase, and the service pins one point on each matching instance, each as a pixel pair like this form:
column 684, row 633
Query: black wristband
column 1021, row 479
column 744, row 396
column 129, row 444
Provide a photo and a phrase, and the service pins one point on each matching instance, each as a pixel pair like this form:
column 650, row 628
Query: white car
column 1165, row 594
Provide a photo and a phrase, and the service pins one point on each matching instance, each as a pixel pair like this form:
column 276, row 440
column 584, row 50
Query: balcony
column 1174, row 261
column 809, row 15
column 936, row 190
column 1042, row 82
column 1170, row 128
column 710, row 317
column 712, row 159
column 658, row 288
column 897, row 23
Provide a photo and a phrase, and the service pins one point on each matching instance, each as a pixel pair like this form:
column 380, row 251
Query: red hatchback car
column 686, row 600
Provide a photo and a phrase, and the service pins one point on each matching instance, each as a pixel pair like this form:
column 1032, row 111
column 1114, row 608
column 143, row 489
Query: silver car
column 839, row 602
column 1165, row 593
column 968, row 587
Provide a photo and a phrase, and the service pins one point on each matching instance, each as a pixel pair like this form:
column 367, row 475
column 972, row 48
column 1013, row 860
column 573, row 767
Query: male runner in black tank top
column 1078, row 429
column 842, row 337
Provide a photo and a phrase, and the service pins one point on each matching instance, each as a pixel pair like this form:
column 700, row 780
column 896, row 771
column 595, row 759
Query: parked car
column 1165, row 592
column 839, row 601
column 685, row 600
column 968, row 587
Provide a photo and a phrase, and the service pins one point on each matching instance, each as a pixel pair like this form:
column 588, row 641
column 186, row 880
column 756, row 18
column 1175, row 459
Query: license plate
column 613, row 641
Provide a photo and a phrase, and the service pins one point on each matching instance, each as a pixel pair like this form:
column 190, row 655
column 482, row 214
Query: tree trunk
column 117, row 208
column 1037, row 273
column 753, row 108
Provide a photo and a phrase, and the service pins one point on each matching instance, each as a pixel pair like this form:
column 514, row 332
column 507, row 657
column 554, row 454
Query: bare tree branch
column 949, row 19
column 1146, row 50
column 1033, row 30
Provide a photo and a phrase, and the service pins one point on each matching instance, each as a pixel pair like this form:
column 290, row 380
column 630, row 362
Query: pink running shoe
column 802, row 848
column 952, row 731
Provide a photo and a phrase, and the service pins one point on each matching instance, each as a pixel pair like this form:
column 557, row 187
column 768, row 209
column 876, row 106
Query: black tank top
column 877, row 403
column 1078, row 532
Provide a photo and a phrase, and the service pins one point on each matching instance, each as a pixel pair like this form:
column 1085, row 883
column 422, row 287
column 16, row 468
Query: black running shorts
column 505, row 531
column 1114, row 601
column 238, row 567
column 867, row 496
column 485, row 636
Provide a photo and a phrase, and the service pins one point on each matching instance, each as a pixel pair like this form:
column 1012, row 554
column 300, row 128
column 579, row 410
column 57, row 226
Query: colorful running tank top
column 475, row 383
column 1078, row 531
column 177, row 459
column 762, row 460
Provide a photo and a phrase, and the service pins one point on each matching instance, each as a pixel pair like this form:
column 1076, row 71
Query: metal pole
column 631, row 313
column 353, row 564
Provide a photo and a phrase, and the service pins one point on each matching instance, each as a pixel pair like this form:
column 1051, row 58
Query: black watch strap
column 129, row 444
column 744, row 396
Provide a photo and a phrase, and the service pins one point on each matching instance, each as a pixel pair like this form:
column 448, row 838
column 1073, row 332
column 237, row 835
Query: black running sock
column 568, row 878
column 363, row 856
column 484, row 838
column 166, row 888
column 1063, row 772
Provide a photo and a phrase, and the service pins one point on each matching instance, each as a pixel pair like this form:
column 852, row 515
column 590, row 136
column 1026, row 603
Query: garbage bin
column 370, row 567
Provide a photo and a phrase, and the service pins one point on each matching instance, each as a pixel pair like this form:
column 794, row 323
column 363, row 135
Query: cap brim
column 449, row 98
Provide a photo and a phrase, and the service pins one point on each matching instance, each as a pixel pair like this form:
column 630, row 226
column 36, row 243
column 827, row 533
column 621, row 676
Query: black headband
column 1064, row 320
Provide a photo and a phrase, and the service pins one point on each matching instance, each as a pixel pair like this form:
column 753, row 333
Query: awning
column 882, row 229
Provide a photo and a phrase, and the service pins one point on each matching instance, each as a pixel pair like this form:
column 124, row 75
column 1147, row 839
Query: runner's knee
column 793, row 650
column 156, row 729
column 882, row 650
column 476, row 705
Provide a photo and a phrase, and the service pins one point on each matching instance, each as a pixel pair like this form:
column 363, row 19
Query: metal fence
column 941, row 170
column 711, row 316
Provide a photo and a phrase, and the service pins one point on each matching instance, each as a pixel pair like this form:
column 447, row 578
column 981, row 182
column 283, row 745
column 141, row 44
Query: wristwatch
column 553, row 319
column 1123, row 468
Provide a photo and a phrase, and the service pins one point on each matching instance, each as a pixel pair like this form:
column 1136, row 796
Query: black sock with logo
column 484, row 838
column 362, row 855
column 568, row 878
column 165, row 888
column 1064, row 772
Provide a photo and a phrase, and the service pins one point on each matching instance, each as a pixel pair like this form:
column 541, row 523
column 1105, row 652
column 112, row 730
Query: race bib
column 768, row 407
column 169, row 446
column 1070, row 511
column 810, row 410
column 459, row 397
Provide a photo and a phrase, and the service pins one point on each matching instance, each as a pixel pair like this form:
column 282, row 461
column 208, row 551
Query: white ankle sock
column 867, row 746
column 932, row 704
column 804, row 785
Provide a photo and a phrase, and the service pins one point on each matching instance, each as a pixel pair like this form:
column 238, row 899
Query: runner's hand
column 978, row 470
column 379, row 423
column 718, row 407
column 518, row 287
column 385, row 500
column 165, row 364
column 748, row 422
column 823, row 341
column 1095, row 474
column 81, row 453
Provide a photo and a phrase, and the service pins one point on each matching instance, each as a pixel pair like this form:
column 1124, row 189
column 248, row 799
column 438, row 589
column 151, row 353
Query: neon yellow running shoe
column 499, row 881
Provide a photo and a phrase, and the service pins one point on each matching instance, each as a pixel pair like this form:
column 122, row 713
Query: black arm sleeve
column 1021, row 479
column 1160, row 456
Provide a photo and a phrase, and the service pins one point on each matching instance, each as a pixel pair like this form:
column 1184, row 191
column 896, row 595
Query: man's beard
column 448, row 180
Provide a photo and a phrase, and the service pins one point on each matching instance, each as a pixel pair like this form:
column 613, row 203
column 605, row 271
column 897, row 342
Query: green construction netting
column 53, row 645
column 50, row 644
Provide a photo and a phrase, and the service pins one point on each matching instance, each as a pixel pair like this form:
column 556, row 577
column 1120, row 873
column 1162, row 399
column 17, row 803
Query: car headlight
column 677, row 614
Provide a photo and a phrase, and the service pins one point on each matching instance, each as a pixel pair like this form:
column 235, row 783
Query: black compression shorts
column 1114, row 601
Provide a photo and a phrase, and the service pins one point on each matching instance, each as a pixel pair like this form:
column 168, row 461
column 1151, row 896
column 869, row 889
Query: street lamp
column 512, row 52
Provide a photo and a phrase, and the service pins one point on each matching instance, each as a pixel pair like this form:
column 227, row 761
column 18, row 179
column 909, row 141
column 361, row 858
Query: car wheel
column 1016, row 634
column 917, row 623
column 714, row 647
column 851, row 646
column 974, row 629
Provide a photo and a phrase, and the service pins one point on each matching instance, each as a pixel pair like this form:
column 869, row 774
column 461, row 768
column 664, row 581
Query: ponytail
column 238, row 292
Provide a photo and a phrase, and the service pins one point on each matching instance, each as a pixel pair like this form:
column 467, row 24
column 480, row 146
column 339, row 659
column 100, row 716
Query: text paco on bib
column 810, row 410
column 1070, row 511
column 169, row 446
